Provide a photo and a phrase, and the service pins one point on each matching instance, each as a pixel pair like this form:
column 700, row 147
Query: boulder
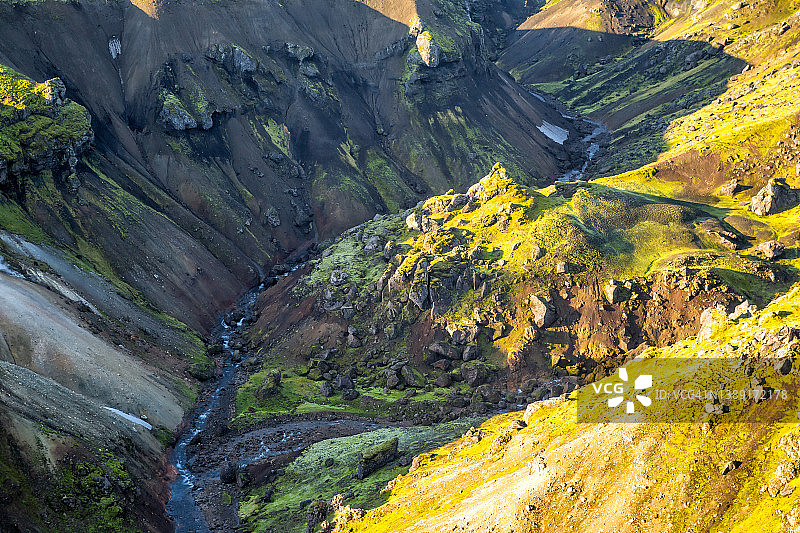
column 771, row 249
column 470, row 353
column 441, row 364
column 271, row 217
column 488, row 394
column 516, row 425
column 414, row 221
column 228, row 472
column 325, row 389
column 562, row 267
column 743, row 310
column 350, row 394
column 392, row 379
column 344, row 382
column 731, row 188
column 418, row 293
column 339, row 278
column 708, row 319
column 463, row 335
column 528, row 386
column 444, row 381
column 613, row 292
column 202, row 370
column 373, row 244
column 445, row 350
column 543, row 313
column 270, row 386
column 782, row 366
column 474, row 373
column 458, row 201
column 408, row 376
column 775, row 197
column 353, row 341
column 375, row 457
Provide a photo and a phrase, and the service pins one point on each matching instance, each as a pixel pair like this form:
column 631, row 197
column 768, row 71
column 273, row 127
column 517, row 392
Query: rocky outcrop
column 40, row 128
column 429, row 50
column 375, row 457
column 771, row 249
column 543, row 313
column 775, row 197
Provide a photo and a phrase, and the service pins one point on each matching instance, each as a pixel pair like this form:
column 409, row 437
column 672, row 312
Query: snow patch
column 553, row 132
column 114, row 47
column 131, row 418
column 537, row 96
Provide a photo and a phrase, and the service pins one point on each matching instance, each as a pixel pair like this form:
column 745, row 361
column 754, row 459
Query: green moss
column 307, row 477
column 278, row 134
column 96, row 488
column 383, row 177
column 14, row 220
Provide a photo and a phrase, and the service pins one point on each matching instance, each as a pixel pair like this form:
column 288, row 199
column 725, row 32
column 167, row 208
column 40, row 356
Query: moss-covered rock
column 39, row 127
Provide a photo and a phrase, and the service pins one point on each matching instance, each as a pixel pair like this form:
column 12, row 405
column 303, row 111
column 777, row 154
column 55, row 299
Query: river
column 182, row 506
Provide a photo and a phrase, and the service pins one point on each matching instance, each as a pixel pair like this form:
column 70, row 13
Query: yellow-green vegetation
column 515, row 237
column 15, row 220
column 278, row 135
column 91, row 493
column 30, row 126
column 730, row 471
column 686, row 92
column 385, row 180
column 308, row 477
column 347, row 253
column 299, row 393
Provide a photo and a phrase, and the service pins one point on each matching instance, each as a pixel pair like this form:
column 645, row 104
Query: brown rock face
column 775, row 197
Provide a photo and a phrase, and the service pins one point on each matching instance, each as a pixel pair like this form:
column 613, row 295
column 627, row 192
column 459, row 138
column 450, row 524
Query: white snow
column 131, row 418
column 114, row 47
column 537, row 96
column 556, row 134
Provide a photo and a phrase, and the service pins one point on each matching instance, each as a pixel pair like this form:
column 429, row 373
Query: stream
column 591, row 150
column 199, row 454
column 182, row 506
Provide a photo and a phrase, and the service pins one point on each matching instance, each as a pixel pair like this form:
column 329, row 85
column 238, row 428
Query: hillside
column 240, row 133
column 499, row 295
column 365, row 266
column 721, row 472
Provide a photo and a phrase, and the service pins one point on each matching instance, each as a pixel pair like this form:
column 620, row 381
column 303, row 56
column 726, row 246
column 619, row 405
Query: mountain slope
column 556, row 474
column 241, row 132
